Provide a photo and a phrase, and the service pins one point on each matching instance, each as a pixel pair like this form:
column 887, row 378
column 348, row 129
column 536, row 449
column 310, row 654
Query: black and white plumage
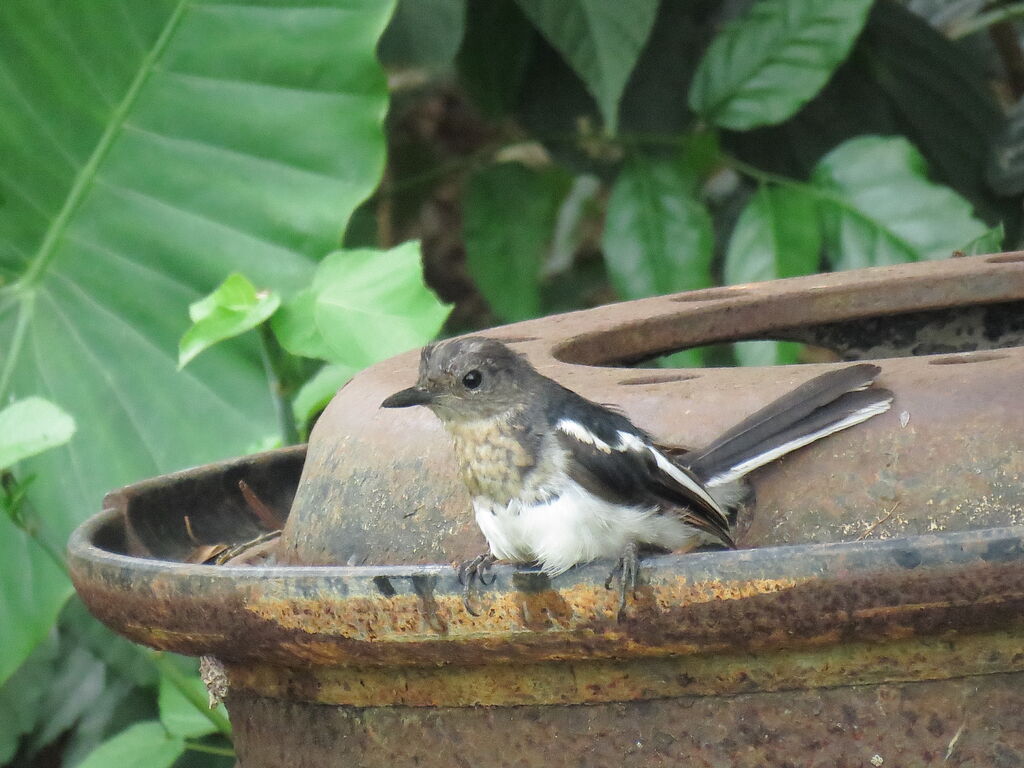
column 558, row 480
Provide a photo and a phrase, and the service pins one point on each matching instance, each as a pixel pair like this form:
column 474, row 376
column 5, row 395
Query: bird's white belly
column 576, row 527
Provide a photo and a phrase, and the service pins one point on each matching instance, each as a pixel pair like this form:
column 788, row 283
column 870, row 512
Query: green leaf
column 764, row 67
column 318, row 391
column 990, row 241
column 179, row 715
column 143, row 745
column 880, row 208
column 31, row 426
column 80, row 679
column 371, row 305
column 158, row 147
column 496, row 49
column 232, row 309
column 1006, row 165
column 509, row 215
column 657, row 236
column 295, row 327
column 423, row 33
column 600, row 41
column 26, row 613
column 776, row 236
column 22, row 694
column 941, row 94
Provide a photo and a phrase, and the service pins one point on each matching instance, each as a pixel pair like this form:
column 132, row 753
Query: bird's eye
column 472, row 379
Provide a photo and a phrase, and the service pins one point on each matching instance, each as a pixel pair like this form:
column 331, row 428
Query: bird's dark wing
column 615, row 461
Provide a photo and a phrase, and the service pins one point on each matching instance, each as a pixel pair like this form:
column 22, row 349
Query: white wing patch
column 629, row 442
column 579, row 432
column 684, row 479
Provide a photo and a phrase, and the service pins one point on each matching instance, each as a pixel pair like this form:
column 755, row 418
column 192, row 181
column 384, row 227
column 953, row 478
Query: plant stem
column 179, row 681
column 209, row 749
column 28, row 522
column 270, row 354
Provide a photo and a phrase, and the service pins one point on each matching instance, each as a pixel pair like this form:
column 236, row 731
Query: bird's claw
column 476, row 570
column 627, row 571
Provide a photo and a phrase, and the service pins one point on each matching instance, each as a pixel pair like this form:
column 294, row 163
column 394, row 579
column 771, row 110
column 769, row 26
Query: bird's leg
column 477, row 569
column 627, row 570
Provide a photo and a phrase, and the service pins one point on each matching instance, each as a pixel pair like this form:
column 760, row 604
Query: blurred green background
column 213, row 214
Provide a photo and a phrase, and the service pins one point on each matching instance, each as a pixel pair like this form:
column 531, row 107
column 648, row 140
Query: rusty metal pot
column 810, row 647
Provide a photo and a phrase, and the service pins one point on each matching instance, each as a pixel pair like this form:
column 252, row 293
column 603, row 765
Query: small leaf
column 776, row 236
column 880, row 208
column 143, row 745
column 232, row 309
column 179, row 715
column 509, row 216
column 296, row 329
column 318, row 391
column 600, row 42
column 30, row 426
column 657, row 236
column 371, row 305
column 989, row 242
column 763, row 68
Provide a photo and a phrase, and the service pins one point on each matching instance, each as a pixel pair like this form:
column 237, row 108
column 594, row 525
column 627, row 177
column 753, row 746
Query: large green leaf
column 423, row 33
column 761, row 69
column 508, row 220
column 149, row 149
column 776, row 236
column 31, row 426
column 657, row 235
column 178, row 714
column 880, row 208
column 143, row 745
column 601, row 41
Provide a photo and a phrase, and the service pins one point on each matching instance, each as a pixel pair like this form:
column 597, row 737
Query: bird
column 557, row 480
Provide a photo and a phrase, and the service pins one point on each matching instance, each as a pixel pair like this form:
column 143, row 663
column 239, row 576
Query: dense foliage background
column 209, row 216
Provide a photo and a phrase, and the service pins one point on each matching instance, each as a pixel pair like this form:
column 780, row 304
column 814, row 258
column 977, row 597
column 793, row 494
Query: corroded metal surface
column 752, row 601
column 947, row 457
column 639, row 679
column 976, row 722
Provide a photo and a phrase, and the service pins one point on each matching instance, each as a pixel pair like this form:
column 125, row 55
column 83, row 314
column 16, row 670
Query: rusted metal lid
column 380, row 486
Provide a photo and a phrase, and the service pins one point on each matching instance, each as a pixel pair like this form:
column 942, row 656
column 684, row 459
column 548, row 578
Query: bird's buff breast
column 492, row 458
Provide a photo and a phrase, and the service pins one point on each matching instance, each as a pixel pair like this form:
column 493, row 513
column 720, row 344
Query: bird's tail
column 826, row 404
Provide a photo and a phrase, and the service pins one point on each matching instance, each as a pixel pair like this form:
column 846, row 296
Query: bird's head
column 468, row 379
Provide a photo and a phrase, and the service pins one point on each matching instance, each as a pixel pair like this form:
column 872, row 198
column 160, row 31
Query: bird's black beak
column 407, row 397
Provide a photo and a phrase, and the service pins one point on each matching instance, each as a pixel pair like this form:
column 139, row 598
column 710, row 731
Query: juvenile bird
column 557, row 480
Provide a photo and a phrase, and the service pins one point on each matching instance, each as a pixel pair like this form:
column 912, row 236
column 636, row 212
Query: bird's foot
column 476, row 570
column 627, row 571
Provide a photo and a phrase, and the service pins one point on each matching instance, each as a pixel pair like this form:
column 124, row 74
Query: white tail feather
column 741, row 469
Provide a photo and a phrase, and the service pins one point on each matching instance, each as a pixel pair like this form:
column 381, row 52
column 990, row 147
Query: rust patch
column 589, row 682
